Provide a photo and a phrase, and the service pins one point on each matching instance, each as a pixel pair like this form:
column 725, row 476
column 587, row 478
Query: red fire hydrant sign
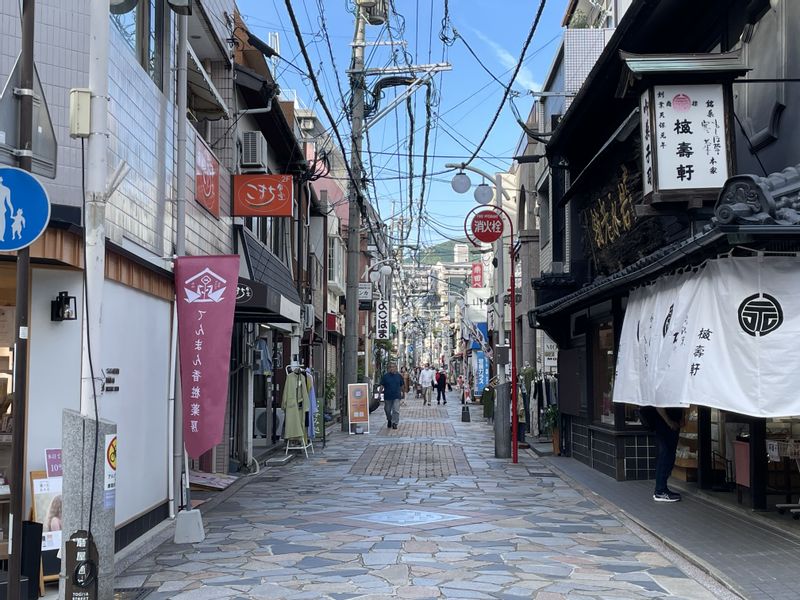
column 487, row 226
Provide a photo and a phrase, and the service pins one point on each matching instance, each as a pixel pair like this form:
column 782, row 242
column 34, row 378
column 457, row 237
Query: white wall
column 136, row 339
column 54, row 363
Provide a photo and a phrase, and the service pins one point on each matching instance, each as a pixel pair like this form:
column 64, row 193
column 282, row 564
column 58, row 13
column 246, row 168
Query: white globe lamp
column 483, row 194
column 460, row 183
column 386, row 270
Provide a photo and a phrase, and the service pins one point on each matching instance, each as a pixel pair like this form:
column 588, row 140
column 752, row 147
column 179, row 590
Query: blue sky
column 466, row 98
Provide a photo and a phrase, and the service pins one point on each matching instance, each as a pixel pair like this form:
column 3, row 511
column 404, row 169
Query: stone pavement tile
column 517, row 534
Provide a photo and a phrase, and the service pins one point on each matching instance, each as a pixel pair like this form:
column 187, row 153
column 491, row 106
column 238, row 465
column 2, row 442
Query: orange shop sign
column 206, row 177
column 263, row 195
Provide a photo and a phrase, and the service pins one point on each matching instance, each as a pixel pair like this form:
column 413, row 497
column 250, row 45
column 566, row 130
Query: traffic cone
column 465, row 416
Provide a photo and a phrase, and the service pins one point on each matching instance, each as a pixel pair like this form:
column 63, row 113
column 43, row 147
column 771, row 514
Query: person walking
column 426, row 381
column 441, row 386
column 393, row 386
column 404, row 373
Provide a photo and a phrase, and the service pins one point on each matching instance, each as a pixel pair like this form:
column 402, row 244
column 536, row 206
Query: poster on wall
column 8, row 315
column 46, row 508
column 110, row 472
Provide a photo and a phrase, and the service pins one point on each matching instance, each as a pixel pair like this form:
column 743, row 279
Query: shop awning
column 257, row 302
column 204, row 99
column 269, row 294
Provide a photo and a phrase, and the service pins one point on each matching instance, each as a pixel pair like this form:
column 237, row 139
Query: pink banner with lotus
column 205, row 290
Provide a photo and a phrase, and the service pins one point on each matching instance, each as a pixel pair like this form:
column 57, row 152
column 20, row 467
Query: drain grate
column 338, row 460
column 132, row 593
column 542, row 474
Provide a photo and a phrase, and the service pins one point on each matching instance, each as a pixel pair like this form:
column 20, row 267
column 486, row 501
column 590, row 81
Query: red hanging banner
column 205, row 291
column 477, row 275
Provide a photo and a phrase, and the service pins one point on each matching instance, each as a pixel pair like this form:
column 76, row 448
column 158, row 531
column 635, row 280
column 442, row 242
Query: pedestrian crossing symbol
column 24, row 209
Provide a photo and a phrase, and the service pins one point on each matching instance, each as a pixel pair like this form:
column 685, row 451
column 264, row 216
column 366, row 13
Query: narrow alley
column 424, row 511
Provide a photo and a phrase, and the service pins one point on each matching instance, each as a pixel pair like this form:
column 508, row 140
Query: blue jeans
column 667, row 445
column 391, row 409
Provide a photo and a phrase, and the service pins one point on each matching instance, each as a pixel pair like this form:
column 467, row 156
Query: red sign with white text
column 263, row 195
column 206, row 177
column 487, row 226
column 205, row 291
column 477, row 275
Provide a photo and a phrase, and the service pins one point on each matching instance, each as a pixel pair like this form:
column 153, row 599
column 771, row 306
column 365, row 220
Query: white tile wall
column 142, row 125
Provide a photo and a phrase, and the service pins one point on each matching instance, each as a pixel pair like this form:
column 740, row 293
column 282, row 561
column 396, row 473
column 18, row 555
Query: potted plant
column 551, row 423
column 330, row 391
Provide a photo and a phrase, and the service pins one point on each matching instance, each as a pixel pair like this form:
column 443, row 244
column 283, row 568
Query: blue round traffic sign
column 24, row 209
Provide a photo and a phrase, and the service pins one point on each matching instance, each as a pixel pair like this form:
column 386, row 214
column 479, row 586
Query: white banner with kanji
column 721, row 337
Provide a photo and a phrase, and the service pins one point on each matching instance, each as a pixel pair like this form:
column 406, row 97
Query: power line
column 511, row 82
column 327, row 111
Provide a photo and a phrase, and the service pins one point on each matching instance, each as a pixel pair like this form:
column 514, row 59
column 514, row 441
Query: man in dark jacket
column 393, row 390
column 441, row 386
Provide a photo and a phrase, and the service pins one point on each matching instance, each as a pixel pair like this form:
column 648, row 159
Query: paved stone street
column 424, row 511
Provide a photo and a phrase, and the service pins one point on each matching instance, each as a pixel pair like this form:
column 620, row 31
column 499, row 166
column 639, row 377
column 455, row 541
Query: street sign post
column 24, row 209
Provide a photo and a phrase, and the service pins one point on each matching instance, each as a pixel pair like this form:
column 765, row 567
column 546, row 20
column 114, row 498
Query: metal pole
column 95, row 218
column 354, row 214
column 179, row 482
column 514, row 414
column 20, row 380
column 502, row 432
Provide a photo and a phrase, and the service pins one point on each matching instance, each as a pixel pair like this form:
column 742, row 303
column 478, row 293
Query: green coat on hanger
column 295, row 403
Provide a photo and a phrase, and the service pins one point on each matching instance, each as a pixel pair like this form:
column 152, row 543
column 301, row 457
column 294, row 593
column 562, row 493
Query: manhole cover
column 404, row 518
column 132, row 593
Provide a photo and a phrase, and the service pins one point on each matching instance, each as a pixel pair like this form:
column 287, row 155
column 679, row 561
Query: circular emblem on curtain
column 760, row 314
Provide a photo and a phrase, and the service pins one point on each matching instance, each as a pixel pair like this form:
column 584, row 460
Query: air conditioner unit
column 308, row 316
column 260, row 422
column 254, row 151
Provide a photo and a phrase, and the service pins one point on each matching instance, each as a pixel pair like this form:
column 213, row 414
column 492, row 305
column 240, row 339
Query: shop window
column 142, row 28
column 603, row 365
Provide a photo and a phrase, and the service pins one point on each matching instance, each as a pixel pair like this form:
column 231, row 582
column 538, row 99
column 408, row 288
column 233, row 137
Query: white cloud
column 524, row 78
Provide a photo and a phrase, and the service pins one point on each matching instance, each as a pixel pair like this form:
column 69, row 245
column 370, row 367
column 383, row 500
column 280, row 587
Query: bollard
column 465, row 416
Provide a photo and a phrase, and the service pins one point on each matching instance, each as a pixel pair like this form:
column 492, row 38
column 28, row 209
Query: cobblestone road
column 412, row 515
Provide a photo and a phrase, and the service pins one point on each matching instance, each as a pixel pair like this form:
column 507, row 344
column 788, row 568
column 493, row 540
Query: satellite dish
column 120, row 7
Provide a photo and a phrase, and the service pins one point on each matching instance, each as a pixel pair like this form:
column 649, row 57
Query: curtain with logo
column 722, row 336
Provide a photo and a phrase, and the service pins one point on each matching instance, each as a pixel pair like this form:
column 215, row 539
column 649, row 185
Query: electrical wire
column 475, row 56
column 531, row 33
column 353, row 181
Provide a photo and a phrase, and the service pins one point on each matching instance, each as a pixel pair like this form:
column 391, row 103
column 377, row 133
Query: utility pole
column 357, row 86
column 502, row 412
column 21, row 342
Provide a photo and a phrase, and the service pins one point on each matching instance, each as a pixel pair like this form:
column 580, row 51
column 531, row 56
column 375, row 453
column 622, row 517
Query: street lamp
column 483, row 196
